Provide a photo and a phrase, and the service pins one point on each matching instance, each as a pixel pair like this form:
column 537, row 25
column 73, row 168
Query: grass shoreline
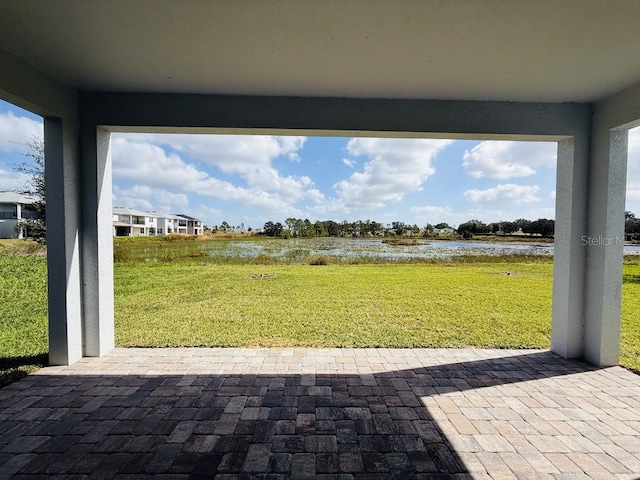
column 471, row 302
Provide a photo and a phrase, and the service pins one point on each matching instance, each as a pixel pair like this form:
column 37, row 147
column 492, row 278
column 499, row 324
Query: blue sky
column 252, row 179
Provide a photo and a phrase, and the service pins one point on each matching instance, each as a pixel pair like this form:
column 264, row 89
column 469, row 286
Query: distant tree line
column 543, row 227
column 299, row 228
column 228, row 228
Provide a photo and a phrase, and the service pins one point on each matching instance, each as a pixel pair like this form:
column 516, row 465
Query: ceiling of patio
column 537, row 50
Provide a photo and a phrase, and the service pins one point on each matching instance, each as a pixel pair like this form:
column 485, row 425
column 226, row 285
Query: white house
column 14, row 207
column 193, row 225
column 169, row 223
column 128, row 222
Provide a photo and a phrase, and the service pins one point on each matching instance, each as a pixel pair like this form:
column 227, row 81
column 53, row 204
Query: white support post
column 18, row 218
column 567, row 325
column 97, row 243
column 63, row 212
column 604, row 244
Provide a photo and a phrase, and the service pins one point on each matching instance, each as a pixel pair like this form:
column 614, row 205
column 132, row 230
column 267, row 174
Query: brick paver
column 196, row 413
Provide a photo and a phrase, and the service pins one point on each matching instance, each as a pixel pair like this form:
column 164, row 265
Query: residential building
column 13, row 208
column 193, row 225
column 169, row 223
column 128, row 222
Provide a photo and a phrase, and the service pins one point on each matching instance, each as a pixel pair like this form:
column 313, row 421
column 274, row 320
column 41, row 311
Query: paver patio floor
column 185, row 413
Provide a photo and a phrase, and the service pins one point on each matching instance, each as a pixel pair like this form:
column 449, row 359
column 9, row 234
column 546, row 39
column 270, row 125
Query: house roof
column 181, row 215
column 519, row 50
column 13, row 197
column 129, row 211
column 151, row 214
column 170, row 216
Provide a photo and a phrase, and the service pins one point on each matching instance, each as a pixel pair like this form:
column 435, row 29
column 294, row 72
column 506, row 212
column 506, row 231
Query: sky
column 249, row 180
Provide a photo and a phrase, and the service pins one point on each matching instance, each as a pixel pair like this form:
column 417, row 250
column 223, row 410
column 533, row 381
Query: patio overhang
column 526, row 70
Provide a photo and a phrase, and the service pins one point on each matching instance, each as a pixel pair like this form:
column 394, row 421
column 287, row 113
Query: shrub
column 322, row 260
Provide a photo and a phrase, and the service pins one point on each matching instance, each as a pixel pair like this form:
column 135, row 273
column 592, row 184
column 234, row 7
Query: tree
column 544, row 227
column 471, row 228
column 508, row 227
column 524, row 225
column 320, row 229
column 631, row 226
column 398, row 227
column 333, row 228
column 428, row 230
column 34, row 225
column 272, row 229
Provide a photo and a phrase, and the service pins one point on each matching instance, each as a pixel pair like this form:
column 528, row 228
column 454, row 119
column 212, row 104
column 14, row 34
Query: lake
column 295, row 249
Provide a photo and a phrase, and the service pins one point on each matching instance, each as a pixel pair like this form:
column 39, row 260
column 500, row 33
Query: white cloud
column 435, row 214
column 505, row 159
column 16, row 131
column 144, row 197
column 11, row 180
column 395, row 168
column 507, row 193
column 329, row 208
column 249, row 155
column 432, row 211
column 210, row 216
column 536, row 213
column 349, row 162
column 142, row 163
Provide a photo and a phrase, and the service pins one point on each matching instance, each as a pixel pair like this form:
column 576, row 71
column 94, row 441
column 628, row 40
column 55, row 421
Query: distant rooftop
column 152, row 213
column 13, row 197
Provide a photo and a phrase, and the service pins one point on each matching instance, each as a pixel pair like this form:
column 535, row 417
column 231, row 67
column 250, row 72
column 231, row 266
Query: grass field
column 334, row 305
column 494, row 302
column 23, row 310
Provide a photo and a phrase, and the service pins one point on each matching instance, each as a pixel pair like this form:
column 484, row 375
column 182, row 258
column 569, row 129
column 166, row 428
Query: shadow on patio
column 335, row 413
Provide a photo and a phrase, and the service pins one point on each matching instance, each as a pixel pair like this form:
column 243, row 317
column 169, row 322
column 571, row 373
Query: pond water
column 345, row 248
column 293, row 249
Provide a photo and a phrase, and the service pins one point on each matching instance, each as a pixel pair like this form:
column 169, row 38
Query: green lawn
column 490, row 304
column 334, row 305
column 23, row 315
column 630, row 321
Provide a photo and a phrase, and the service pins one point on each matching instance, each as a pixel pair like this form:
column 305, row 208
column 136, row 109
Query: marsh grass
column 213, row 250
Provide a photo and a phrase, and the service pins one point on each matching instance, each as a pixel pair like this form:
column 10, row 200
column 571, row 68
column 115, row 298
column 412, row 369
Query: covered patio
column 567, row 72
column 197, row 413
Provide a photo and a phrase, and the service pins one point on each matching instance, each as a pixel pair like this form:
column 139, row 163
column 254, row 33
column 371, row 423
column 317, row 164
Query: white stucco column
column 604, row 245
column 97, row 242
column 63, row 260
column 567, row 325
